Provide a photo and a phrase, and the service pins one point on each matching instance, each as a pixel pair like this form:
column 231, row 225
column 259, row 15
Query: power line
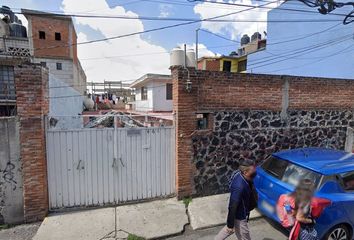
column 152, row 18
column 302, row 49
column 210, row 47
column 219, row 36
column 317, row 61
column 265, row 7
column 293, row 55
column 151, row 53
column 155, row 29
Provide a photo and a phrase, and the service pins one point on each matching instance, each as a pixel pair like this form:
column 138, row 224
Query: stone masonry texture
column 246, row 121
column 31, row 83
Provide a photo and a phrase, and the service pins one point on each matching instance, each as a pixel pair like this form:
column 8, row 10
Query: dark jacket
column 239, row 204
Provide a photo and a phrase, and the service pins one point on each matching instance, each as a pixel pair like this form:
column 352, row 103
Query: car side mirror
column 331, row 187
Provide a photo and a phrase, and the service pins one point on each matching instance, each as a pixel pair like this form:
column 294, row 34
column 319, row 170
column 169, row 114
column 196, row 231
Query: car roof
column 322, row 160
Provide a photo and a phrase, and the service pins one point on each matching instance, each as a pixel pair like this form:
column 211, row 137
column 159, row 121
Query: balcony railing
column 14, row 46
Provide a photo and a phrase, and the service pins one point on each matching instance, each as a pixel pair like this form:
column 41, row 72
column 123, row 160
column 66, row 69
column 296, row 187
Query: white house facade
column 306, row 44
column 153, row 93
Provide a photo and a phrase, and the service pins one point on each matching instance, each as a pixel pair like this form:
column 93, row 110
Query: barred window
column 7, row 83
column 169, row 91
column 144, row 93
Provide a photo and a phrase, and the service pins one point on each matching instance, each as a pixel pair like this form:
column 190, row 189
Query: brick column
column 184, row 107
column 31, row 83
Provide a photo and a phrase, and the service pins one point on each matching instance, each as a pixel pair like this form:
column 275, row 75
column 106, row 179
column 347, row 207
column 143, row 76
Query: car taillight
column 318, row 205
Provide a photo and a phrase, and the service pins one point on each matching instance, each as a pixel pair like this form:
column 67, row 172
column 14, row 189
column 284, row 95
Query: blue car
column 332, row 171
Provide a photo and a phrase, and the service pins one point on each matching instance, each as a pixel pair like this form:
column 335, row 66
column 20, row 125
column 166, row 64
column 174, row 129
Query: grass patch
column 4, row 226
column 187, row 201
column 134, row 237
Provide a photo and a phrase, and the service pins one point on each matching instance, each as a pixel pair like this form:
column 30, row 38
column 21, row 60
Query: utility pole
column 196, row 46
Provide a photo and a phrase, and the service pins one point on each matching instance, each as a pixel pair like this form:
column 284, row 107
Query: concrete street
column 261, row 229
column 158, row 219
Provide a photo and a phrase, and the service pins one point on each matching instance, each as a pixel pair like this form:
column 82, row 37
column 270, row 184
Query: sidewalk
column 149, row 220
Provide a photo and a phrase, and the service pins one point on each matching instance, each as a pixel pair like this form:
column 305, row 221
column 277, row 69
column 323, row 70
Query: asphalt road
column 261, row 229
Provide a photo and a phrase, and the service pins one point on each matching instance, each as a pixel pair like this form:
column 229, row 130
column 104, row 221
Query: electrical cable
column 317, row 61
column 152, row 18
column 153, row 29
column 294, row 55
column 325, row 7
column 304, row 49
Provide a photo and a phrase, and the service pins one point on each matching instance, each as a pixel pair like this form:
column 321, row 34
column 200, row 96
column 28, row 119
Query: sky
column 127, row 59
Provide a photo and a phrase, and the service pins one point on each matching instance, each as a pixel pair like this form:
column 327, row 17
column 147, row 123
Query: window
column 294, row 173
column 348, row 181
column 169, row 91
column 7, row 83
column 44, row 64
column 226, row 67
column 57, row 36
column 288, row 172
column 59, row 66
column 202, row 121
column 242, row 66
column 41, row 35
column 275, row 167
column 144, row 93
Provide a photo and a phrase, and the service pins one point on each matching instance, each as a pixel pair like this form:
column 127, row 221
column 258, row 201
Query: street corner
column 151, row 220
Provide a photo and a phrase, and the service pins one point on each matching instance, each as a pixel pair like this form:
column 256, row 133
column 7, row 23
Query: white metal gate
column 90, row 167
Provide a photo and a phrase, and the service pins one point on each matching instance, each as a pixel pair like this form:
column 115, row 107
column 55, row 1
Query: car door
column 347, row 183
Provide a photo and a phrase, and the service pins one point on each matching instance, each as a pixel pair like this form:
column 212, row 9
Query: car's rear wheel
column 339, row 232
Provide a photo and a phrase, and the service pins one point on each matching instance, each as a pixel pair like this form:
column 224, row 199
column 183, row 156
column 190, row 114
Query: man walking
column 243, row 199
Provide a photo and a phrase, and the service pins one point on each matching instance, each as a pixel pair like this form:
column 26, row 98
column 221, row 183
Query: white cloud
column 165, row 10
column 116, row 68
column 233, row 29
column 202, row 50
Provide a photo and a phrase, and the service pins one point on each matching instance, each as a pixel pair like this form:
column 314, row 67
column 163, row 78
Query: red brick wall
column 49, row 47
column 32, row 104
column 309, row 93
column 212, row 65
column 216, row 91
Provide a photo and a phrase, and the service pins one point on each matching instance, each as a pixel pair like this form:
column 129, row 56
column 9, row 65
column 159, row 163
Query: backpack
column 285, row 208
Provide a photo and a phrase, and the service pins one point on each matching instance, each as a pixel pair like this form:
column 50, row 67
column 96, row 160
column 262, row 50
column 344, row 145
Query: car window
column 275, row 167
column 348, row 181
column 294, row 173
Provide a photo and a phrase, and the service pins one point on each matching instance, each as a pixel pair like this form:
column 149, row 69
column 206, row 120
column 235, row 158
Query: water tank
column 191, row 58
column 256, row 36
column 4, row 29
column 17, row 30
column 7, row 11
column 233, row 54
column 245, row 39
column 88, row 103
column 177, row 57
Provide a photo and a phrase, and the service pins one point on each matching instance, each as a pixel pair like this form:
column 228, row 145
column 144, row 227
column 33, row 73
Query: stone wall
column 251, row 116
column 257, row 134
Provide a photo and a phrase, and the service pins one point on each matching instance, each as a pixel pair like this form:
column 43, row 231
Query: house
column 232, row 63
column 14, row 49
column 236, row 61
column 317, row 46
column 153, row 93
column 53, row 44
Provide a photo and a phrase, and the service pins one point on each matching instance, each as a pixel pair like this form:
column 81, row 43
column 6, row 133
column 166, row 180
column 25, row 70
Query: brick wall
column 232, row 95
column 32, row 104
column 44, row 47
